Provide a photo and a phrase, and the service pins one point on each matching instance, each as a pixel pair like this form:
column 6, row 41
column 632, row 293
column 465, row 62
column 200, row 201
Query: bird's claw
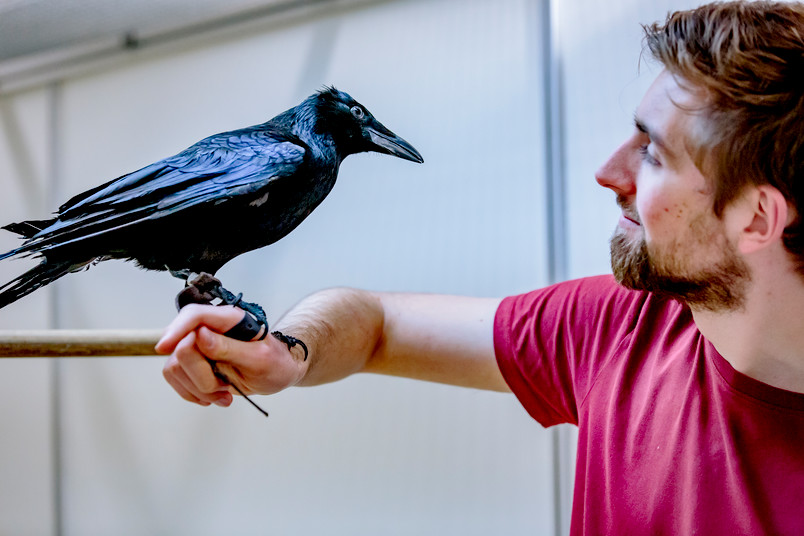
column 291, row 342
column 204, row 288
column 198, row 289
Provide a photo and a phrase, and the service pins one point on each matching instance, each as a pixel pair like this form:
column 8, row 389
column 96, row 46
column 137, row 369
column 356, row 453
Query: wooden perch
column 78, row 343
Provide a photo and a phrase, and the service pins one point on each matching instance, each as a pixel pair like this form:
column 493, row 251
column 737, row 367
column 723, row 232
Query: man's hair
column 748, row 59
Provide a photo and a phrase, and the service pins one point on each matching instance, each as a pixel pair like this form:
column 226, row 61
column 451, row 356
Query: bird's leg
column 204, row 288
column 228, row 298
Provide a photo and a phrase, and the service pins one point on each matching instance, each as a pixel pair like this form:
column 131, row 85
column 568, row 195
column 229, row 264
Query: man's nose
column 619, row 172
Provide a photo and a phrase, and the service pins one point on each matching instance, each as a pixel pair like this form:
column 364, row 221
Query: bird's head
column 354, row 129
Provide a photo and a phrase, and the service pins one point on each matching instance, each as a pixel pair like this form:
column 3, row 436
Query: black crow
column 191, row 213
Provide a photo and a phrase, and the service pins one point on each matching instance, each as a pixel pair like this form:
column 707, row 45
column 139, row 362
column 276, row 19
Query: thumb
column 229, row 357
column 214, row 345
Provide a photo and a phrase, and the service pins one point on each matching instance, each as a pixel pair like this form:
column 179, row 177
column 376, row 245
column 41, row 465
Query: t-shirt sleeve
column 551, row 343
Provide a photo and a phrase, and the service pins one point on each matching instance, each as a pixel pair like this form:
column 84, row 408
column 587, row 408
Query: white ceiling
column 44, row 41
column 39, row 26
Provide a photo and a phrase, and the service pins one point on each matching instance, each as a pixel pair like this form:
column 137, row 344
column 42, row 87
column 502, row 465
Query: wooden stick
column 78, row 343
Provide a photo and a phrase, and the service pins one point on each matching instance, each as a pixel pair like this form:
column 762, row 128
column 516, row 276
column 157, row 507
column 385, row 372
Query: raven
column 193, row 212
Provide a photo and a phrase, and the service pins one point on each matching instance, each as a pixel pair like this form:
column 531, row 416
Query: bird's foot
column 198, row 288
column 291, row 342
column 204, row 288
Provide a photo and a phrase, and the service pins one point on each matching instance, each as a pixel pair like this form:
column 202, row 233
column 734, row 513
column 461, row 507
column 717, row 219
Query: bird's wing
column 216, row 169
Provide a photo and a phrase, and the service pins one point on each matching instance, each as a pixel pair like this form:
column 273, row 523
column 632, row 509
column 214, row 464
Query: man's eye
column 646, row 156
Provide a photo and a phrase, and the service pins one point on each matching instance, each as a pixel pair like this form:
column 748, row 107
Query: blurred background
column 512, row 103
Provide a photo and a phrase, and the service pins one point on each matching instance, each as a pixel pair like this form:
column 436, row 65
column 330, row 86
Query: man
column 688, row 385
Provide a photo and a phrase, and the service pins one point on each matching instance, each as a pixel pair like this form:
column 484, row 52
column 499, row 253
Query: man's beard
column 717, row 288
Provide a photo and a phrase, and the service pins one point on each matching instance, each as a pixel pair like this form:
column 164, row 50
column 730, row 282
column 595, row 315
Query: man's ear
column 764, row 215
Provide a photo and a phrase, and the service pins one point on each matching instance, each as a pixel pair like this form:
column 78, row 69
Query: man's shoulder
column 605, row 288
column 596, row 300
column 593, row 289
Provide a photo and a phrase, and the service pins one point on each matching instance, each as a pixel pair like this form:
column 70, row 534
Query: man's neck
column 764, row 339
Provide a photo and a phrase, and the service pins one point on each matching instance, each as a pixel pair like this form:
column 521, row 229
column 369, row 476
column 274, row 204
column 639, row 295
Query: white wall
column 461, row 80
column 26, row 436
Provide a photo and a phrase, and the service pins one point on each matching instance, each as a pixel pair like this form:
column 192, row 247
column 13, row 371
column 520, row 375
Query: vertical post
column 556, row 208
column 54, row 310
column 557, row 236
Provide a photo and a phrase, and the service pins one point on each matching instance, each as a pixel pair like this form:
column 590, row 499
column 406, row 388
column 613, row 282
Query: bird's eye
column 357, row 111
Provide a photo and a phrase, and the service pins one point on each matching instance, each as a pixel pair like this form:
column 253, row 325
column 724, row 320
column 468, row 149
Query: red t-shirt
column 672, row 439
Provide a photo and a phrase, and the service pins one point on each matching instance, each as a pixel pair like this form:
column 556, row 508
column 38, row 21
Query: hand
column 196, row 336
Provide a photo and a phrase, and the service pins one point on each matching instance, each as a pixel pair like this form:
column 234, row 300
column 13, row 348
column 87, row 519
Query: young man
column 686, row 379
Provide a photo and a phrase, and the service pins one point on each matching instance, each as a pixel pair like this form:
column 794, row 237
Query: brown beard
column 717, row 288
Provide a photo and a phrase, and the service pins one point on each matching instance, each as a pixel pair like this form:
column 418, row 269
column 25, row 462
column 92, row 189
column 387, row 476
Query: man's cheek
column 659, row 215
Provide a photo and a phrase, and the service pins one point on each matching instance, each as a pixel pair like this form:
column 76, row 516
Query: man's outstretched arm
column 438, row 338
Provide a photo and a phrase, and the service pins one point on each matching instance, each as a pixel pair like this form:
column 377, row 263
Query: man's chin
column 629, row 260
column 720, row 288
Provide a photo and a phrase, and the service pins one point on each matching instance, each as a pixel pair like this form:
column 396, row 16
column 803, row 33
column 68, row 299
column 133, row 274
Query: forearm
column 446, row 339
column 439, row 338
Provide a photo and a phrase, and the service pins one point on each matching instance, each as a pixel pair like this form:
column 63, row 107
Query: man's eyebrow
column 654, row 137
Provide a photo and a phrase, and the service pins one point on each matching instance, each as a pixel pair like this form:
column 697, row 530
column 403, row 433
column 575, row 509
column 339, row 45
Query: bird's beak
column 385, row 141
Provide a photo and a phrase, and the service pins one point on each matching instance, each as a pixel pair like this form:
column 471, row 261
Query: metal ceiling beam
column 36, row 70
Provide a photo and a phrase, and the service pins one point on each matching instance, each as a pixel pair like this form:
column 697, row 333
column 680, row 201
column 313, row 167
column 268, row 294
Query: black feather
column 39, row 276
column 27, row 229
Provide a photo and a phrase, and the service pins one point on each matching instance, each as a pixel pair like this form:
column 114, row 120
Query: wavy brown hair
column 748, row 59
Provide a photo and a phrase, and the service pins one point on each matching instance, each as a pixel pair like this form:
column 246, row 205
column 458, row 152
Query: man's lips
column 629, row 219
column 628, row 215
column 632, row 218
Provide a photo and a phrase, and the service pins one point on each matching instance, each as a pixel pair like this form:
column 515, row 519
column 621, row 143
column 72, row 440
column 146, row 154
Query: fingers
column 195, row 339
column 191, row 376
column 220, row 319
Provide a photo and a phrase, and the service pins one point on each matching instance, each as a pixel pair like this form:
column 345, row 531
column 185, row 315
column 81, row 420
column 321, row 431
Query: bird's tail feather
column 40, row 275
column 8, row 254
column 26, row 229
